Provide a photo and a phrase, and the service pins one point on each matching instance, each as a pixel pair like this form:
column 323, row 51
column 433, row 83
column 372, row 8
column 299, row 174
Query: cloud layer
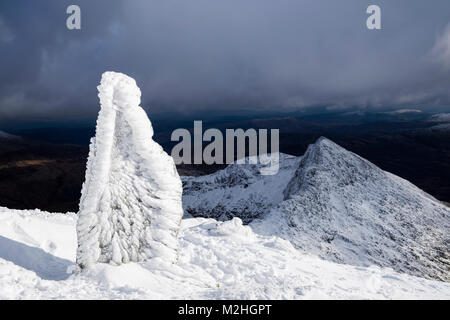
column 217, row 55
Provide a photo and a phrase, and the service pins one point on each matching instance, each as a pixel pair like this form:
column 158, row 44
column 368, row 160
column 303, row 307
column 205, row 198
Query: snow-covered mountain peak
column 329, row 160
column 343, row 208
column 334, row 204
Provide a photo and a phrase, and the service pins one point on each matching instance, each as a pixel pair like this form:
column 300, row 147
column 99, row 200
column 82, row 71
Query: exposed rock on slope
column 130, row 209
column 237, row 191
column 345, row 209
column 337, row 205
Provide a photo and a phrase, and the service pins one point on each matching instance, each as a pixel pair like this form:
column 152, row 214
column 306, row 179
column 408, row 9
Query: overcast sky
column 216, row 55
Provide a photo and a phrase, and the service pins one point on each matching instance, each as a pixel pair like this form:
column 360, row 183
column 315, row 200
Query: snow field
column 218, row 260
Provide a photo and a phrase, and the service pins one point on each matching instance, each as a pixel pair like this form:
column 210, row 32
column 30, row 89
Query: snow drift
column 130, row 208
column 217, row 260
column 334, row 204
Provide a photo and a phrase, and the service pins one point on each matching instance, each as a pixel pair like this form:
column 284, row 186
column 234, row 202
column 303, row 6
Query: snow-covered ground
column 217, row 260
column 403, row 111
column 442, row 121
column 442, row 127
column 6, row 136
column 440, row 117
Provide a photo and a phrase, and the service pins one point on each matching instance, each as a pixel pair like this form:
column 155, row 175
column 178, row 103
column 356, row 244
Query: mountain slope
column 343, row 208
column 237, row 191
column 334, row 204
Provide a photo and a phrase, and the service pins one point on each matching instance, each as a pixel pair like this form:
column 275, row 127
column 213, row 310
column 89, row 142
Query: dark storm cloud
column 224, row 55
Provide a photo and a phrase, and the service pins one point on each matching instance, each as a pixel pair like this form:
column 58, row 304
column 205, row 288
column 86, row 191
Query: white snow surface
column 130, row 208
column 343, row 208
column 442, row 127
column 442, row 121
column 218, row 260
column 403, row 111
column 333, row 204
column 7, row 136
column 440, row 117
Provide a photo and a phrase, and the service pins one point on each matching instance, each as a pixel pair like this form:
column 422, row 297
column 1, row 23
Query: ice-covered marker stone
column 130, row 207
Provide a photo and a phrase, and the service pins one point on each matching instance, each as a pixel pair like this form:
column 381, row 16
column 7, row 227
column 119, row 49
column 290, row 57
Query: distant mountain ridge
column 238, row 190
column 7, row 136
column 339, row 206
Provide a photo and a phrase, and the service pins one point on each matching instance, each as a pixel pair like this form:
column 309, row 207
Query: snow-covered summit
column 130, row 208
column 334, row 204
column 343, row 208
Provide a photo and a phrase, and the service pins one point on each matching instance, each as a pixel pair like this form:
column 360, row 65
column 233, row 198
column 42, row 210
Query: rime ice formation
column 130, row 208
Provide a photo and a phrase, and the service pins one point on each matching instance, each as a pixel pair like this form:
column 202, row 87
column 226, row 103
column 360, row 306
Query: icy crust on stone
column 130, row 208
column 343, row 208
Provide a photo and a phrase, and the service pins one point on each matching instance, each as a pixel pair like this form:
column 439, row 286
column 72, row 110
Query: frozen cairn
column 130, row 207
